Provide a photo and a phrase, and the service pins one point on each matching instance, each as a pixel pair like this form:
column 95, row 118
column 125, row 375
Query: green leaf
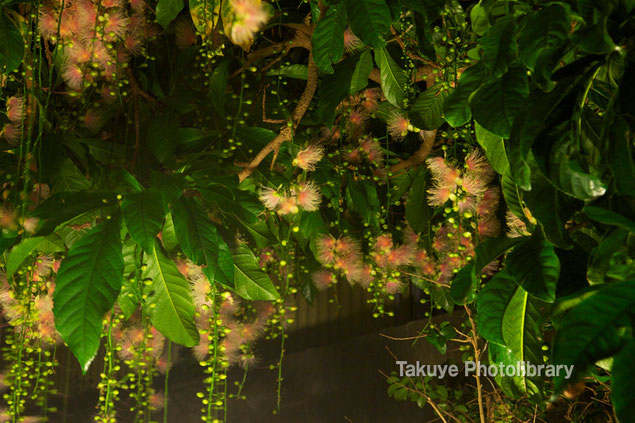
column 393, row 79
column 162, row 137
column 167, row 10
column 21, row 252
column 497, row 103
column 620, row 156
column 369, row 20
column 169, row 239
column 512, row 196
column 479, row 19
column 86, row 287
column 418, row 212
column 507, row 316
column 144, row 215
column 426, row 112
column 463, row 287
column 251, row 282
column 543, row 31
column 129, row 297
column 328, row 39
column 515, row 386
column 591, row 330
column 296, row 71
column 623, row 383
column 70, row 178
column 494, row 149
column 201, row 242
column 499, row 45
column 490, row 249
column 608, row 217
column 535, row 266
column 456, row 108
column 359, row 81
column 217, row 86
column 62, row 207
column 11, row 45
column 601, row 256
column 169, row 303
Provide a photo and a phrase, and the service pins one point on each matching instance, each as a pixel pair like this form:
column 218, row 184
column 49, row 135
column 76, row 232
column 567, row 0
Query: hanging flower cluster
column 97, row 39
column 15, row 111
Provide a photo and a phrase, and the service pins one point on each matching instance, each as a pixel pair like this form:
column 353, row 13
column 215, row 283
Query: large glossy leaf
column 218, row 85
column 359, row 80
column 251, row 282
column 593, row 329
column 507, row 316
column 129, row 297
column 205, row 15
column 623, row 383
column 499, row 45
column 21, row 252
column 11, row 45
column 601, row 256
column 456, row 108
column 144, row 215
column 426, row 113
column 494, row 149
column 418, row 212
column 543, row 31
column 535, row 266
column 201, row 242
column 167, row 10
column 86, row 287
column 497, row 103
column 393, row 78
column 328, row 39
column 609, row 217
column 62, row 207
column 369, row 20
column 169, row 303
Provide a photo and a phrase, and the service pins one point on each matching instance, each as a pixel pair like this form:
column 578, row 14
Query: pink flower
column 11, row 132
column 79, row 53
column 365, row 276
column 323, row 279
column 87, row 16
column 110, row 3
column 489, row 227
column 133, row 44
column 201, row 350
column 93, row 120
column 308, row 158
column 351, row 41
column 383, row 243
column 442, row 173
column 400, row 256
column 288, row 205
column 398, row 125
column 249, row 17
column 356, row 118
column 373, row 150
column 474, row 184
column 489, row 202
column 270, row 198
column 392, row 287
column 69, row 25
column 47, row 24
column 137, row 5
column 428, row 267
column 308, row 196
column 370, row 101
column 467, row 203
column 353, row 156
column 438, row 196
column 346, row 246
column 350, row 265
column 477, row 164
column 156, row 400
column 74, row 76
column 15, row 108
column 115, row 24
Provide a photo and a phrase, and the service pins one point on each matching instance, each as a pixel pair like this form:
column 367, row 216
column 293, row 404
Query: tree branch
column 427, row 142
column 286, row 131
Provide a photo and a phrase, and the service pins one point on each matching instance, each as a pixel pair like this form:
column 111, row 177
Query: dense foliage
column 177, row 172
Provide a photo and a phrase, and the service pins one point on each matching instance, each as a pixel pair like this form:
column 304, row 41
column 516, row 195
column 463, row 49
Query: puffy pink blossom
column 74, row 76
column 365, row 276
column 308, row 196
column 489, row 226
column 15, row 108
column 326, row 249
column 308, row 158
column 477, row 164
column 443, row 174
column 323, row 279
column 115, row 24
column 288, row 205
column 400, row 256
column 47, row 23
column 356, row 118
column 249, row 17
column 438, row 196
column 488, row 202
column 398, row 125
column 474, row 184
column 93, row 120
column 11, row 132
column 373, row 150
column 270, row 198
column 393, row 286
column 351, row 41
column 383, row 243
